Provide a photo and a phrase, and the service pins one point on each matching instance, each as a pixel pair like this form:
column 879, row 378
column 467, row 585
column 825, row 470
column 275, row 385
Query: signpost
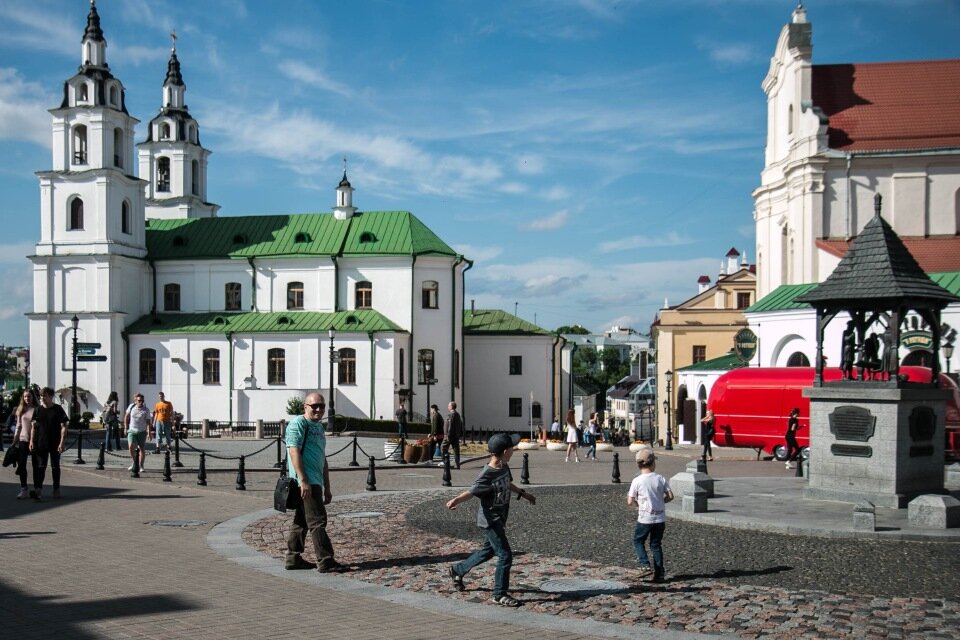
column 91, row 358
column 745, row 345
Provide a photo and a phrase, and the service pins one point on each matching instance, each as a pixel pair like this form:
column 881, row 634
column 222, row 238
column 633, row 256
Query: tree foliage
column 576, row 329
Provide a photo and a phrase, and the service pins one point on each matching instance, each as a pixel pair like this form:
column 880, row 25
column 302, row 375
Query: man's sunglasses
column 317, row 407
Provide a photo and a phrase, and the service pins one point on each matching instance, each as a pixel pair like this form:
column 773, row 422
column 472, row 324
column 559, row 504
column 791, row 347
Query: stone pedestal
column 875, row 442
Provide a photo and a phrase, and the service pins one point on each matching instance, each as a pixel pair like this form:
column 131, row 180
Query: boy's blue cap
column 498, row 443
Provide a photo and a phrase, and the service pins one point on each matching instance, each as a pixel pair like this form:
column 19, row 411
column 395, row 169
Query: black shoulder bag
column 286, row 495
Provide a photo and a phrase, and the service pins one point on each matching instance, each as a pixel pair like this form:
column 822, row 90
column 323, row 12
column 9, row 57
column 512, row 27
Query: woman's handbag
column 12, row 456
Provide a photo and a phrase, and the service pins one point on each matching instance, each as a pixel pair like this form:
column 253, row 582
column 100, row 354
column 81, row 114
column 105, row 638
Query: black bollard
column 372, row 475
column 525, row 469
column 100, row 458
column 354, row 463
column 278, row 464
column 799, row 473
column 446, row 470
column 242, row 475
column 176, row 450
column 615, row 477
column 167, row 474
column 703, row 463
column 136, row 463
column 403, row 446
column 202, row 472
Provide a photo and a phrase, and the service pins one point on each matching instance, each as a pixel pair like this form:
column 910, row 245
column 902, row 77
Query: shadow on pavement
column 71, row 494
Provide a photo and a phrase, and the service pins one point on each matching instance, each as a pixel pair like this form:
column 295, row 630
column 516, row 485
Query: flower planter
column 391, row 451
column 427, row 454
column 556, row 446
column 526, row 446
column 636, row 446
column 412, row 453
column 604, row 446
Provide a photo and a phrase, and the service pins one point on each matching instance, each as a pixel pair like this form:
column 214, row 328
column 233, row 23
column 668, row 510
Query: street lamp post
column 74, row 406
column 331, row 408
column 948, row 353
column 651, row 414
column 428, row 368
column 666, row 409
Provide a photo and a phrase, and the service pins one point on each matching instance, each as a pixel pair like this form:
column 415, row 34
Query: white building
column 232, row 316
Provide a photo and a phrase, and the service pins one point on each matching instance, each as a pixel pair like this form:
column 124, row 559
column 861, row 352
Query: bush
column 295, row 406
column 348, row 423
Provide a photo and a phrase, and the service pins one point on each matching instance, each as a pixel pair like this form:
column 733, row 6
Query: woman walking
column 573, row 437
column 21, row 438
column 593, row 432
column 709, row 430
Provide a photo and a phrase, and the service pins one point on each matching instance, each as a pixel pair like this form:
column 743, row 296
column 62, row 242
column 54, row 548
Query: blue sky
column 593, row 157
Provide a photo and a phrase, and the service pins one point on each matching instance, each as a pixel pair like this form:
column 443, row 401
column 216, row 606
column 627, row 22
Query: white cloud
column 16, row 281
column 478, row 254
column 671, row 239
column 31, row 27
column 549, row 223
column 555, row 193
column 23, row 109
column 515, row 188
column 731, row 53
column 301, row 72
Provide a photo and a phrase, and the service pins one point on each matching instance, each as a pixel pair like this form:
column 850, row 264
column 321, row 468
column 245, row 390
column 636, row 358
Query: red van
column 751, row 406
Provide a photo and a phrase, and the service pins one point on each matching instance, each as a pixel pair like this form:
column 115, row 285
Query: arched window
column 164, row 131
column 125, row 217
column 76, row 215
column 82, row 93
column 163, row 174
column 231, row 296
column 80, row 144
column 425, row 356
column 192, row 134
column 347, row 369
column 536, row 412
column 118, row 147
column 114, row 96
column 294, row 295
column 430, row 290
column 148, row 366
column 211, row 366
column 195, row 177
column 276, row 366
column 798, row 359
column 363, row 295
column 171, row 297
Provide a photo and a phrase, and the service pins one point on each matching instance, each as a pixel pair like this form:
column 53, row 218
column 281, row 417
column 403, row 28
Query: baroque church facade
column 228, row 316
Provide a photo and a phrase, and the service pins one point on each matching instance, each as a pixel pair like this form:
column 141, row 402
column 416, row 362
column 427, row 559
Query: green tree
column 576, row 329
column 614, row 368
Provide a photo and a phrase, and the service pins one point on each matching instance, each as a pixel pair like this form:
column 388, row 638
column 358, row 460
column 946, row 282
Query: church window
column 148, row 366
column 798, row 359
column 195, row 177
column 430, row 291
column 301, row 238
column 231, row 292
column 743, row 299
column 163, row 174
column 125, row 217
column 424, row 356
column 192, row 134
column 699, row 353
column 80, row 144
column 363, row 297
column 76, row 214
column 171, row 297
column 347, row 370
column 211, row 366
column 276, row 366
column 367, row 237
column 83, row 93
column 515, row 407
column 536, row 411
column 118, row 147
column 295, row 295
column 164, row 131
column 114, row 96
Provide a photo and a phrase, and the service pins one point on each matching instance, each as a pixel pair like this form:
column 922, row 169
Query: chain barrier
column 212, row 455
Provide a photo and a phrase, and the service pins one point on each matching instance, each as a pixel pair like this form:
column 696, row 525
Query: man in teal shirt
column 307, row 464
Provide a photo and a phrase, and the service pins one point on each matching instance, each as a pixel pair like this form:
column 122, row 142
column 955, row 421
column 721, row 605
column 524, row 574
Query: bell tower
column 171, row 158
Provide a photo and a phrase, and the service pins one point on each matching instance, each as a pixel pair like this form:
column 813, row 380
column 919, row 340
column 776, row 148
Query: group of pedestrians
column 40, row 437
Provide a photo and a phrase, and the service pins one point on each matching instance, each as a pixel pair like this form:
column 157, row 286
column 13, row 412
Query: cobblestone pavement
column 721, row 581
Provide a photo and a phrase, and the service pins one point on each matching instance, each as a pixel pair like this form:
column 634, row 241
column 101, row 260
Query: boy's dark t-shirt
column 49, row 422
column 492, row 486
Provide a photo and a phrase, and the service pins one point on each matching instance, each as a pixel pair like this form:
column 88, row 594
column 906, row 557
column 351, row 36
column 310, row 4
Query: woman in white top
column 572, row 436
column 21, row 438
column 593, row 430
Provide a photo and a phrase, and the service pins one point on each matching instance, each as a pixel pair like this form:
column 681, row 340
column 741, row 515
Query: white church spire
column 344, row 208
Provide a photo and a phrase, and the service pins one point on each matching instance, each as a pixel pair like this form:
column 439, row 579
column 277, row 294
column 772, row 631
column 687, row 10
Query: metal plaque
column 745, row 345
column 851, row 450
column 852, row 423
column 923, row 423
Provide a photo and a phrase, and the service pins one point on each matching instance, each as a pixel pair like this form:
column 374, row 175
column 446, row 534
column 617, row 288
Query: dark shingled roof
column 877, row 269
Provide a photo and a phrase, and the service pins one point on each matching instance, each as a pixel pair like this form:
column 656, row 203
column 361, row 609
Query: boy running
column 649, row 492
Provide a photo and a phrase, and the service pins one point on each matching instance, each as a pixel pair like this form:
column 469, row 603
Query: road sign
column 91, row 358
column 88, row 345
column 85, row 351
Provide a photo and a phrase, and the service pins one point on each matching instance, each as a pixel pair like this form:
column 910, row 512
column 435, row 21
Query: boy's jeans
column 655, row 531
column 496, row 544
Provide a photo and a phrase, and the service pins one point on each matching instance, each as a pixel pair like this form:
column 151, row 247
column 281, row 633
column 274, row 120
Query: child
column 493, row 486
column 649, row 491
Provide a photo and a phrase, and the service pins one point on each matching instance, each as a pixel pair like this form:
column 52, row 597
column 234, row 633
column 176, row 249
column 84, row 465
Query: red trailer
column 751, row 406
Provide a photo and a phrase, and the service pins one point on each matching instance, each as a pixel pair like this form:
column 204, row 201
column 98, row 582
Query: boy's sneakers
column 457, row 579
column 506, row 600
column 23, row 494
column 644, row 572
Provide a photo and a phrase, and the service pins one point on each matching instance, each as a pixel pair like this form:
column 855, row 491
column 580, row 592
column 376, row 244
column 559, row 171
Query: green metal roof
column 358, row 321
column 385, row 233
column 723, row 363
column 494, row 321
column 783, row 298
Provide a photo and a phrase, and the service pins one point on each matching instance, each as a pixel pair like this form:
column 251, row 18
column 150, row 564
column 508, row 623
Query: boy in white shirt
column 649, row 492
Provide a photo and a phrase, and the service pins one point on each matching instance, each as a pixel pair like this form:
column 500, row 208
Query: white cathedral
column 232, row 316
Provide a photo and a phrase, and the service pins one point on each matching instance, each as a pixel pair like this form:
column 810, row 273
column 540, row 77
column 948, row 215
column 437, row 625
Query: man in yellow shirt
column 162, row 420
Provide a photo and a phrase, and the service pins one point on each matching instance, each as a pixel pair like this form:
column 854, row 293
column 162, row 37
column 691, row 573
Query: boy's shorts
column 137, row 438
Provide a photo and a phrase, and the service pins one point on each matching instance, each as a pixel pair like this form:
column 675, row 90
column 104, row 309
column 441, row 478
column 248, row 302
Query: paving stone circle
column 583, row 586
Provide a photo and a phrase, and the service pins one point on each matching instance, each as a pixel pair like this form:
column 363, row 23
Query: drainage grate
column 360, row 514
column 179, row 524
column 582, row 586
